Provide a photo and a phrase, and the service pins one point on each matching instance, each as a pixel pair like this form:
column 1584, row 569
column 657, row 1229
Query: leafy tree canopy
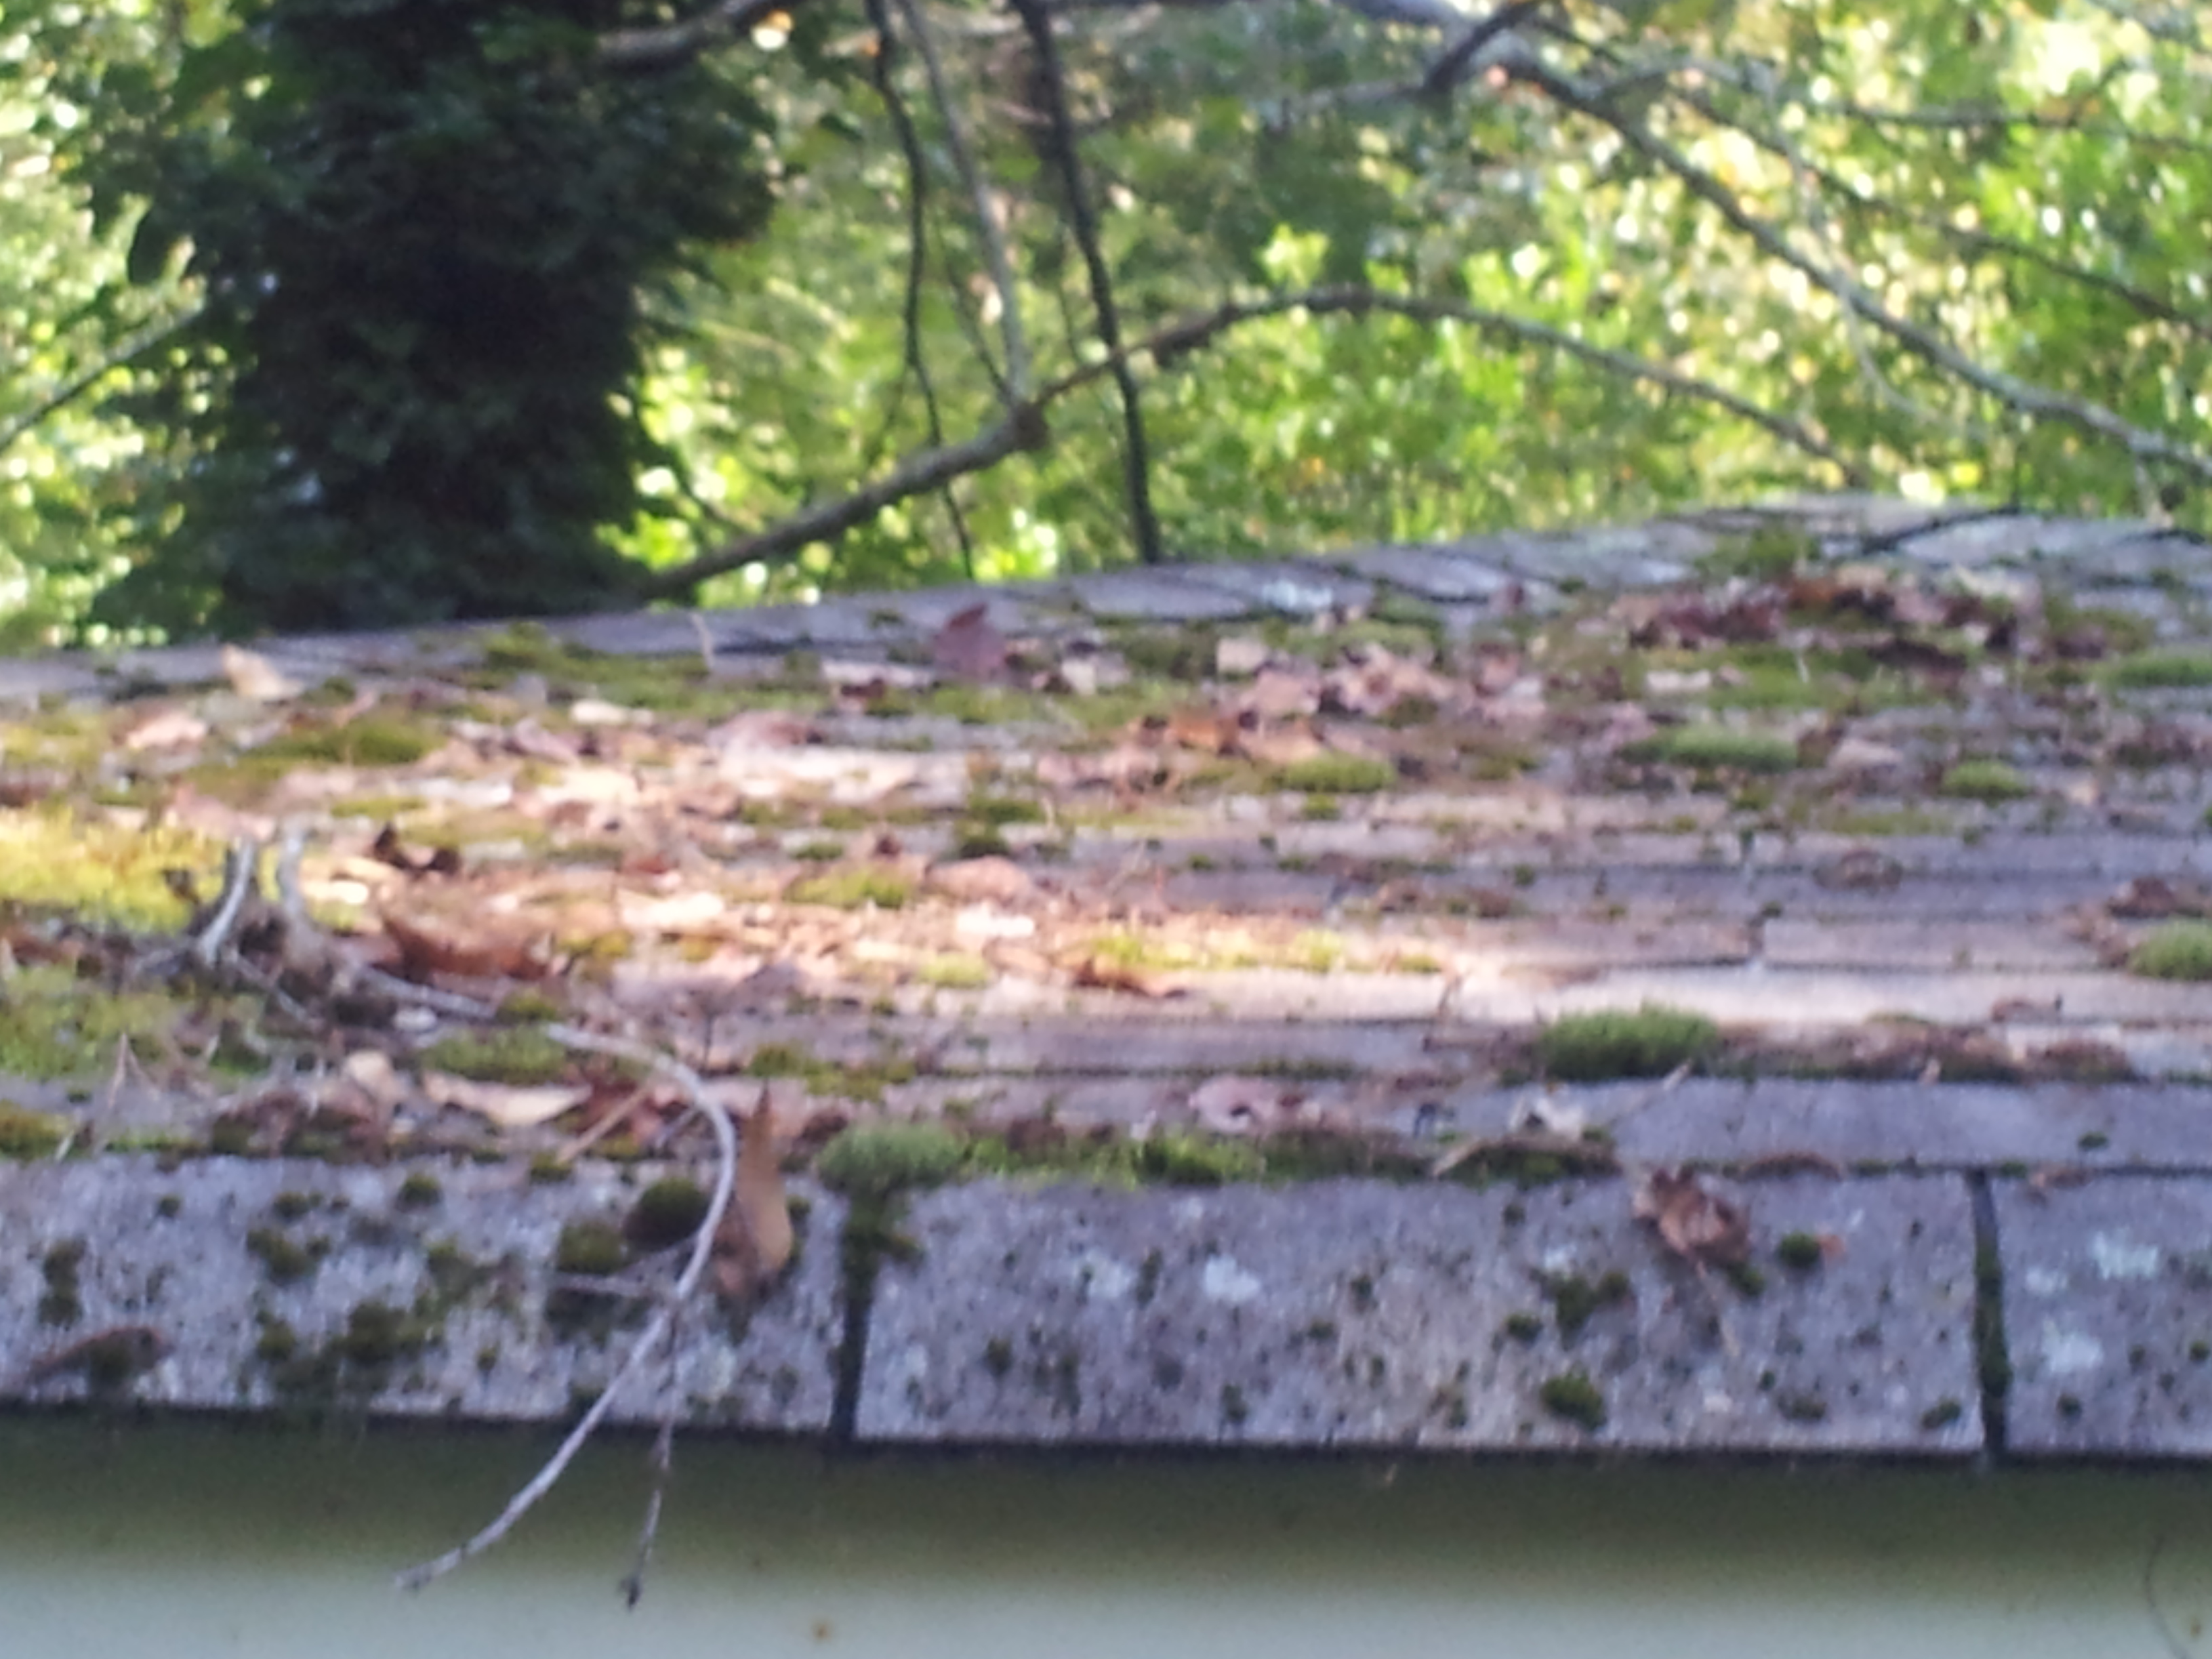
column 349, row 310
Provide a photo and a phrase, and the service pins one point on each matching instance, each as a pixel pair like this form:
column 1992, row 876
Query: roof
column 1733, row 984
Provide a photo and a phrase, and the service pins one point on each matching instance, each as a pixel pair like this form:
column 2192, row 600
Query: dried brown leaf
column 1698, row 1226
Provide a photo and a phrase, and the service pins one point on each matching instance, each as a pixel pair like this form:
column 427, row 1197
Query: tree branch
column 1021, row 428
column 2015, row 394
column 70, row 390
column 915, row 359
column 1446, row 72
column 1136, row 460
column 668, row 43
column 996, row 260
column 1024, row 428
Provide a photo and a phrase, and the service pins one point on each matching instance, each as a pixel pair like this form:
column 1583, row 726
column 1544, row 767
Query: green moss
column 53, row 1025
column 1985, row 779
column 101, row 872
column 1575, row 1300
column 420, row 1190
column 1992, row 1352
column 1184, row 654
column 2150, row 669
column 1522, row 1327
column 956, row 971
column 372, row 740
column 1573, row 1396
column 1337, row 775
column 529, row 1005
column 2174, row 950
column 62, row 1303
column 853, row 888
column 997, row 1356
column 1769, row 553
column 875, row 1159
column 1613, row 1043
column 1941, row 1415
column 291, row 1206
column 667, row 1213
column 283, row 1260
column 1746, row 1278
column 865, row 1082
column 1801, row 1407
column 1716, row 747
column 590, row 1250
column 25, row 1133
column 1234, row 1408
column 1800, row 1250
column 509, row 1053
column 980, row 840
column 1192, row 1160
column 1002, row 810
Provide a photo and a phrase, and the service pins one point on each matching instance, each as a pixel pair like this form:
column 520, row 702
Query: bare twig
column 929, row 471
column 915, row 359
column 1446, row 73
column 1136, row 464
column 657, row 1327
column 996, row 260
column 70, row 390
column 664, row 1445
column 667, row 44
column 239, row 865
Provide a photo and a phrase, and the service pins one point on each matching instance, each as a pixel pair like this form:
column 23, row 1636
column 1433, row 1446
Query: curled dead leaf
column 253, row 677
column 754, row 1244
column 1698, row 1226
column 509, row 1105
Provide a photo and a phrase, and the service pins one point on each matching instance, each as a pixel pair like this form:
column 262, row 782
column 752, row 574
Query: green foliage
column 529, row 311
column 419, row 230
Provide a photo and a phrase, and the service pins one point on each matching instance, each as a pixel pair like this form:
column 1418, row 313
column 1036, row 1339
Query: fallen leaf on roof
column 1103, row 972
column 432, row 946
column 1699, row 1225
column 166, row 728
column 1235, row 1104
column 509, row 1105
column 992, row 879
column 253, row 675
column 968, row 647
column 755, row 1241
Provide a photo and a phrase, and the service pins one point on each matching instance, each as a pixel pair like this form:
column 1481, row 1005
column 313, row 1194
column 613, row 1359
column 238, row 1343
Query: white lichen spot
column 2066, row 1352
column 2118, row 1257
column 1100, row 1275
column 2042, row 1281
column 1226, row 1280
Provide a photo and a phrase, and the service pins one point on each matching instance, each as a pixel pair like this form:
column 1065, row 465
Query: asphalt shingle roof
column 1733, row 984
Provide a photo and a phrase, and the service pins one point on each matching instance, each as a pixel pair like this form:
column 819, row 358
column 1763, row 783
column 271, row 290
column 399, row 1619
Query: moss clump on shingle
column 1985, row 779
column 1614, row 1042
column 25, row 1134
column 851, row 890
column 1717, row 747
column 1573, row 1396
column 2178, row 949
column 2151, row 670
column 509, row 1053
column 1337, row 775
column 668, row 1213
column 590, row 1250
column 369, row 741
column 869, row 1160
